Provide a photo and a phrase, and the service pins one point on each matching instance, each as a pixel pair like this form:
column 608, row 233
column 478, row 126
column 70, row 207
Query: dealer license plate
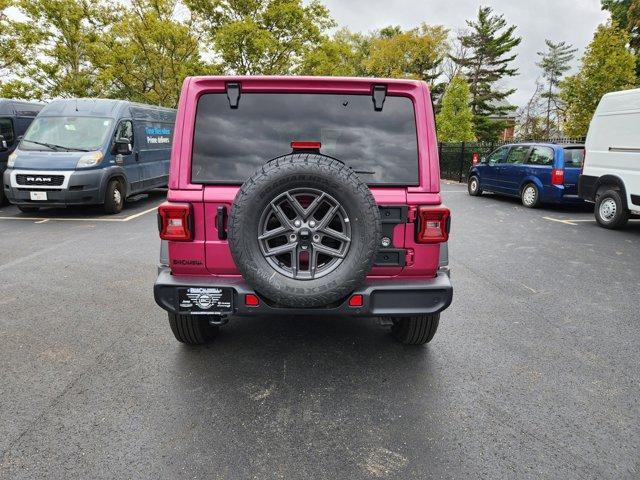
column 202, row 301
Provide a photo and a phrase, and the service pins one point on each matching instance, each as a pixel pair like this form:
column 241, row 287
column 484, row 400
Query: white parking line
column 569, row 221
column 81, row 219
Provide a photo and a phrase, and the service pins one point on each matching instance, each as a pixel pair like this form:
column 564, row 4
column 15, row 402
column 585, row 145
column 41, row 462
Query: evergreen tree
column 606, row 66
column 489, row 42
column 555, row 62
column 455, row 120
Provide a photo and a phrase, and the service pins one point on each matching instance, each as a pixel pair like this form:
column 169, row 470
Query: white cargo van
column 611, row 172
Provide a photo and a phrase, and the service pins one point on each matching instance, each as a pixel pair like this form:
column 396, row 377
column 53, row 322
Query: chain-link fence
column 456, row 158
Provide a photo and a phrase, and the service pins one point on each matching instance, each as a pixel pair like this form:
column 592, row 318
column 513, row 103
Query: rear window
column 230, row 144
column 573, row 157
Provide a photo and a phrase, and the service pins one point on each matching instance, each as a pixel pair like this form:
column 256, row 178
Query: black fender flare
column 613, row 181
column 111, row 173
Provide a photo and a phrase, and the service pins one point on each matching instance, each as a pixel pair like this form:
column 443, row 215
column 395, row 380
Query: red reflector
column 356, row 300
column 557, row 176
column 433, row 224
column 174, row 221
column 475, row 158
column 251, row 300
column 305, row 145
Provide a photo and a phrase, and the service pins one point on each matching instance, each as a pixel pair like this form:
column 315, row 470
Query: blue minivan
column 535, row 172
column 15, row 118
column 90, row 152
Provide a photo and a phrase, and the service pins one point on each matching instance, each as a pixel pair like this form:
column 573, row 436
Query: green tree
column 489, row 42
column 455, row 120
column 148, row 53
column 555, row 62
column 417, row 53
column 606, row 66
column 261, row 36
column 66, row 31
column 341, row 55
column 626, row 14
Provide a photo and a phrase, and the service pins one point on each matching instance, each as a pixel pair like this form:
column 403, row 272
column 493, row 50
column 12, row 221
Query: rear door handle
column 221, row 219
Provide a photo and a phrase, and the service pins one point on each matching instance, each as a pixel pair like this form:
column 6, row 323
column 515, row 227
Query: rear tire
column 3, row 198
column 114, row 197
column 530, row 196
column 473, row 186
column 192, row 329
column 24, row 209
column 610, row 211
column 415, row 330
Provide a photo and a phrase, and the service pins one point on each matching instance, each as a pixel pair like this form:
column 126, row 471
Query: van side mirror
column 122, row 146
column 3, row 144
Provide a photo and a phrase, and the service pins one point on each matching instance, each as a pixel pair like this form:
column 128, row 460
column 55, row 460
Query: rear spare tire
column 304, row 230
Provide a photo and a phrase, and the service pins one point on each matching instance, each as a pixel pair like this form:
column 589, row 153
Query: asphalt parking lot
column 534, row 372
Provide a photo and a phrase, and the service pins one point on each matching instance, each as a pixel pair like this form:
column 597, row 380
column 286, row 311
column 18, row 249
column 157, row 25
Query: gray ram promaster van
column 90, row 152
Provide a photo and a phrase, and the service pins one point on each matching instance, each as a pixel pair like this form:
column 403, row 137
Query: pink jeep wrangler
column 304, row 196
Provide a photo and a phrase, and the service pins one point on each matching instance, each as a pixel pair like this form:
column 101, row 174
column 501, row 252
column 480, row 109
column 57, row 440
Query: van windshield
column 72, row 133
column 230, row 144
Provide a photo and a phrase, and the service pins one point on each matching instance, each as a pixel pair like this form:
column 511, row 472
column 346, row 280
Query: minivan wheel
column 530, row 196
column 610, row 211
column 114, row 197
column 474, row 187
column 415, row 330
column 192, row 329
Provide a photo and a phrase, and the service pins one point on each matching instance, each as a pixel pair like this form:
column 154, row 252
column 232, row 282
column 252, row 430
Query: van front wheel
column 610, row 211
column 473, row 186
column 114, row 197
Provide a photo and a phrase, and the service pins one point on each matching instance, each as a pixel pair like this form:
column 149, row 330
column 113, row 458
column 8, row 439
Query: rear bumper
column 587, row 186
column 381, row 297
column 560, row 194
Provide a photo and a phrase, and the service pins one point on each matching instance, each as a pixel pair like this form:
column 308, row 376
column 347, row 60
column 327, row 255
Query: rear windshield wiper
column 53, row 146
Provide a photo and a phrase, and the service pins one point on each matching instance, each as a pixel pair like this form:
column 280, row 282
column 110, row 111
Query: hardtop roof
column 103, row 107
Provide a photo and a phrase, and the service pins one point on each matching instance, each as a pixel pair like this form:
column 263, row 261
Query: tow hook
column 219, row 321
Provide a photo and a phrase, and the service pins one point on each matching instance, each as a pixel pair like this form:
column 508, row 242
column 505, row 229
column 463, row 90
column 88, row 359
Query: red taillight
column 356, row 300
column 296, row 145
column 433, row 224
column 251, row 300
column 475, row 158
column 557, row 176
column 174, row 221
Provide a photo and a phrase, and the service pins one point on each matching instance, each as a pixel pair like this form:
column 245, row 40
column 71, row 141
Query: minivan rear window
column 230, row 144
column 573, row 157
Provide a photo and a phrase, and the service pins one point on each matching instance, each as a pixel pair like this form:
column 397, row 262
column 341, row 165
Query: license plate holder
column 205, row 300
column 38, row 196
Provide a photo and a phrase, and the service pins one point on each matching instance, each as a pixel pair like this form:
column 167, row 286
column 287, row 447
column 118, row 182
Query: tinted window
column 498, row 156
column 541, row 156
column 6, row 130
column 230, row 144
column 573, row 157
column 517, row 155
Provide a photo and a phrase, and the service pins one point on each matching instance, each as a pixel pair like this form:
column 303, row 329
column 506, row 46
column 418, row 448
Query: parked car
column 535, row 172
column 304, row 196
column 611, row 174
column 90, row 152
column 15, row 117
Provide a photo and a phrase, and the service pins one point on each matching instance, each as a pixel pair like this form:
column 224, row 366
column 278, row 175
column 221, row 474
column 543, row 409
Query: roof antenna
column 76, row 104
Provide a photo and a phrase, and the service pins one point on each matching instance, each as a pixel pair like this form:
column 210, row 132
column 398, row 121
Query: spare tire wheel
column 304, row 230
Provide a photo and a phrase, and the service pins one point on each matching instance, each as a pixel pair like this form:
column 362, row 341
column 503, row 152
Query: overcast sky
column 572, row 21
